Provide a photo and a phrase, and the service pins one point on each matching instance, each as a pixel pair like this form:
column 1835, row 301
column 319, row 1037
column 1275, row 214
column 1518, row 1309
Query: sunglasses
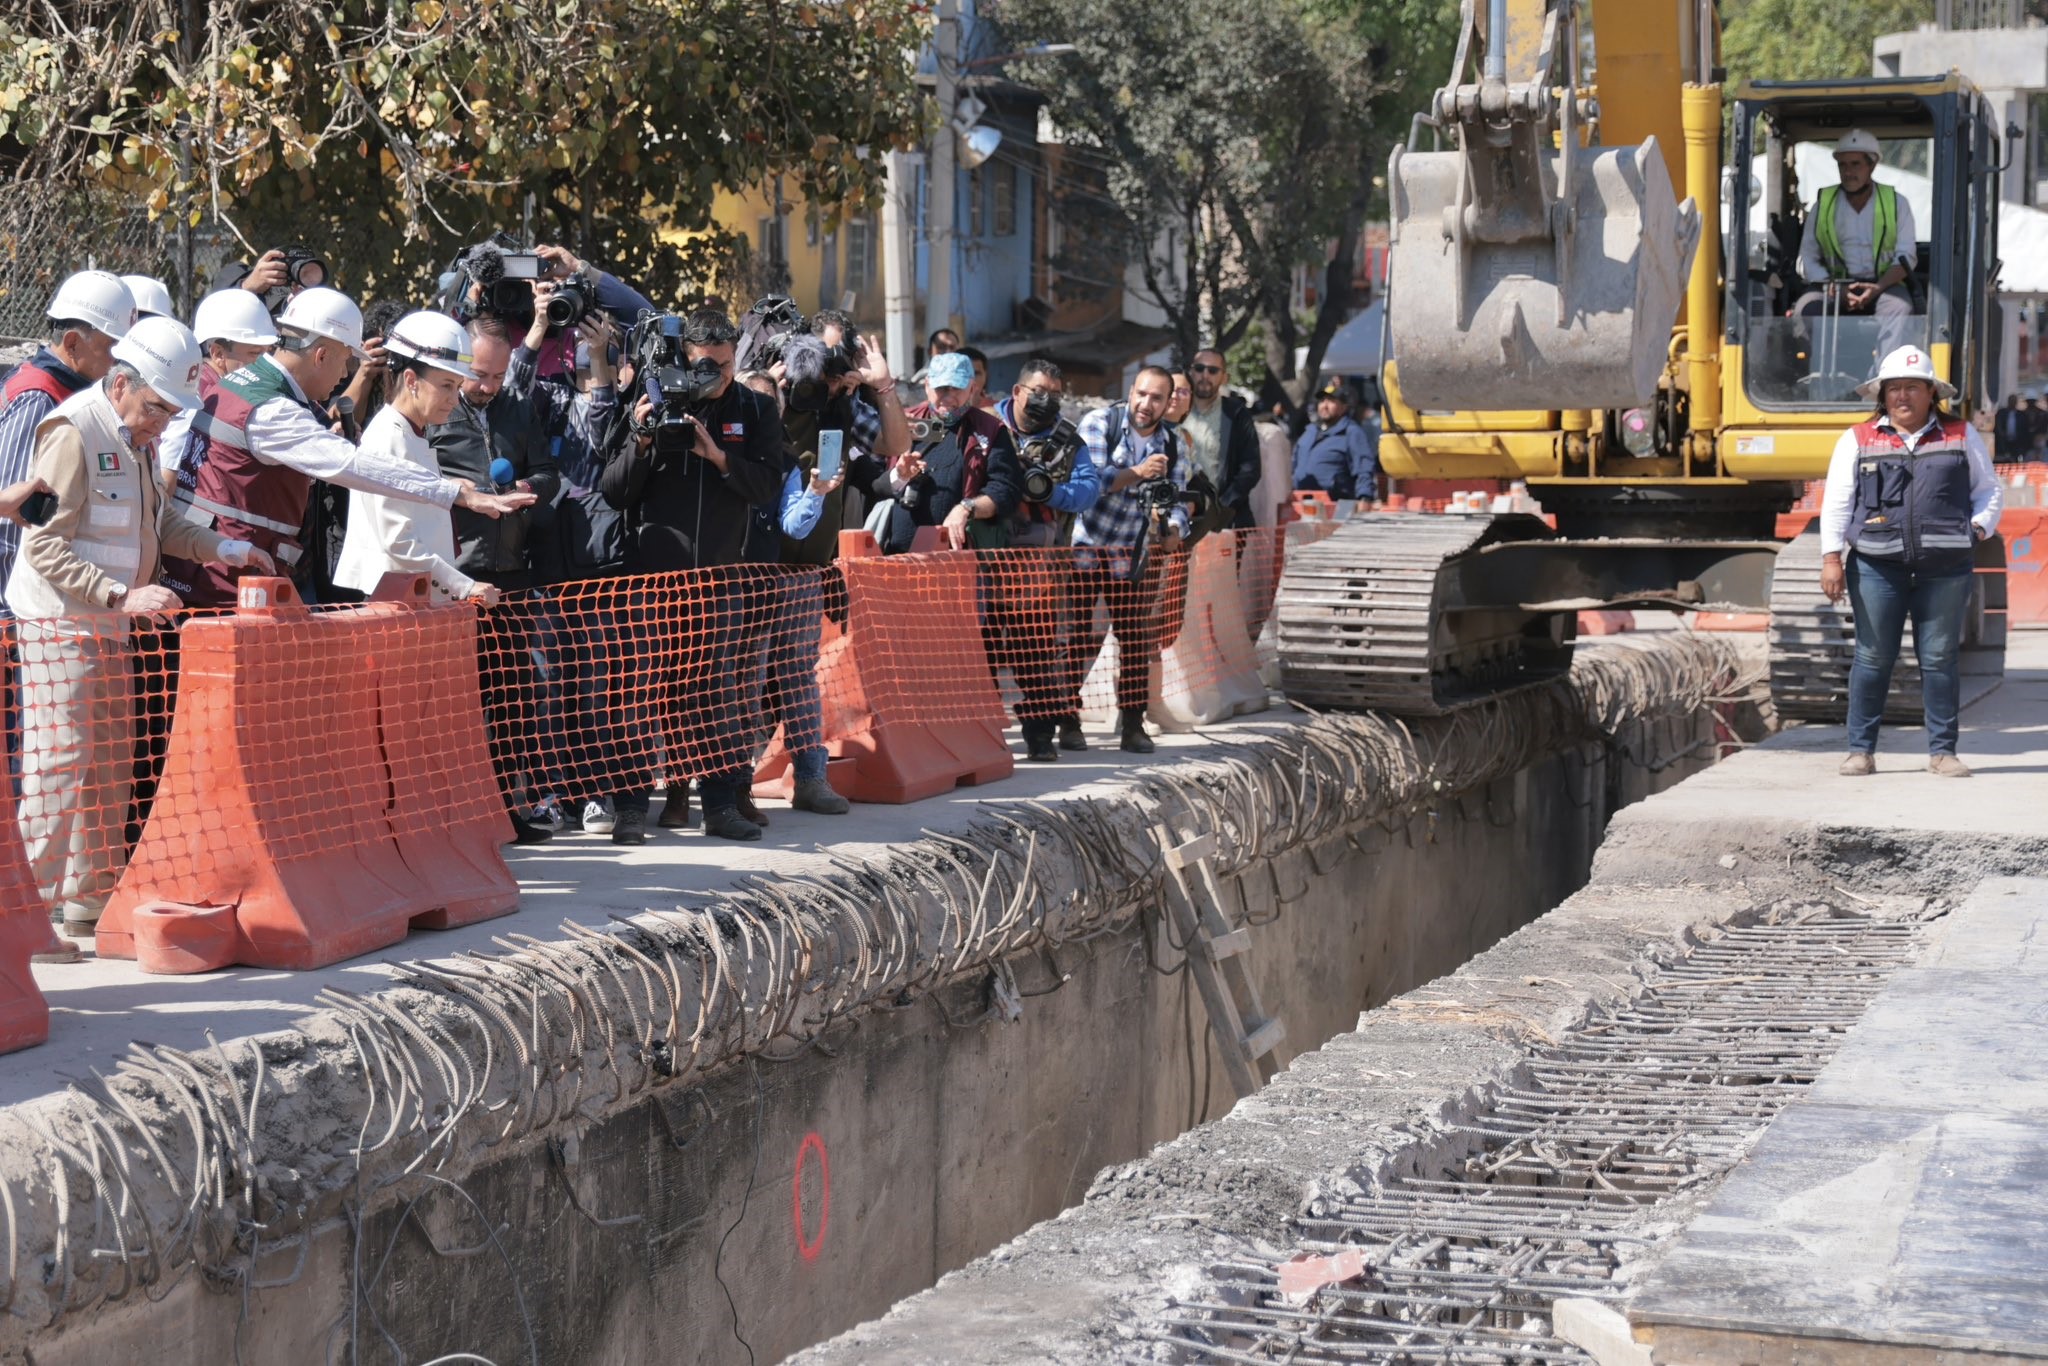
column 1205, row 369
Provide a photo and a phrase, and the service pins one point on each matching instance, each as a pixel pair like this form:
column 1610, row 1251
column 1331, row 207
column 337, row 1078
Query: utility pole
column 899, row 261
column 938, row 304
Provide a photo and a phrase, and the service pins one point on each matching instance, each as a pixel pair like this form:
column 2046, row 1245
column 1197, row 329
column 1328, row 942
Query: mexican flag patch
column 110, row 462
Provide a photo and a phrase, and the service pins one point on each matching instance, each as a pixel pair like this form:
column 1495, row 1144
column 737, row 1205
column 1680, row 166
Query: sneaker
column 525, row 831
column 1071, row 737
column 1948, row 766
column 815, row 794
column 728, row 824
column 1858, row 765
column 550, row 812
column 744, row 804
column 675, row 812
column 598, row 818
column 1039, row 749
column 629, row 827
column 1135, row 740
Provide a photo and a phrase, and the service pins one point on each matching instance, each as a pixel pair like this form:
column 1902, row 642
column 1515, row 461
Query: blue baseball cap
column 950, row 371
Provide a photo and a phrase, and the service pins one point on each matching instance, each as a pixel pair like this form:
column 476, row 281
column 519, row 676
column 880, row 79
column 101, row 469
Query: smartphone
column 39, row 508
column 831, row 450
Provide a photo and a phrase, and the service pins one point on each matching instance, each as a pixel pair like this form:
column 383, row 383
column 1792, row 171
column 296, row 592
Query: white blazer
column 387, row 534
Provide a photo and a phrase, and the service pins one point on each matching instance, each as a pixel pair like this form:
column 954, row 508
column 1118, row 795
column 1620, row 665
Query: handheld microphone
column 503, row 476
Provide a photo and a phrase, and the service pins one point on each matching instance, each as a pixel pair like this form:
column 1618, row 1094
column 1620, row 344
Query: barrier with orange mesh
column 287, row 785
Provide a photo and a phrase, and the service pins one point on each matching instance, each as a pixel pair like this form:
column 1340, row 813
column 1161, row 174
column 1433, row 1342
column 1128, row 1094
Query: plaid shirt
column 1118, row 517
column 867, row 424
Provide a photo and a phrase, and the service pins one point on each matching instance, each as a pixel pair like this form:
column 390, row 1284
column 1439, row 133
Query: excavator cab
column 1802, row 350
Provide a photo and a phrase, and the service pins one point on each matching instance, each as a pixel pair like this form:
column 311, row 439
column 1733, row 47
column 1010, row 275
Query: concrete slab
column 1903, row 1202
column 1790, row 779
column 99, row 1006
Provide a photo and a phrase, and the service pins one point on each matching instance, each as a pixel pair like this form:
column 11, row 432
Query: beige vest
column 117, row 529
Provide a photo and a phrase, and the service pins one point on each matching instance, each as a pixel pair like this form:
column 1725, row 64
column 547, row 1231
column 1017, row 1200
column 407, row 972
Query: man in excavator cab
column 1857, row 250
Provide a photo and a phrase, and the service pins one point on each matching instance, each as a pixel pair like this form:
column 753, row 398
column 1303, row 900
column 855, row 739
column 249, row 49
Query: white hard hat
column 323, row 312
column 233, row 315
column 150, row 295
column 434, row 339
column 96, row 297
column 1908, row 362
column 165, row 353
column 1857, row 140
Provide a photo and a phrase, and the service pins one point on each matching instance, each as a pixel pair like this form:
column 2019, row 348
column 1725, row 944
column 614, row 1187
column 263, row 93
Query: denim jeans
column 1883, row 594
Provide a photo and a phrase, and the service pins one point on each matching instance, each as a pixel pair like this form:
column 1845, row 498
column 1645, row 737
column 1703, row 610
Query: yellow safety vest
column 1830, row 238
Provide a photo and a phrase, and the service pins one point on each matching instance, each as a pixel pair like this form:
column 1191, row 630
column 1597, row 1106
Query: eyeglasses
column 156, row 407
column 1205, row 369
column 1182, row 389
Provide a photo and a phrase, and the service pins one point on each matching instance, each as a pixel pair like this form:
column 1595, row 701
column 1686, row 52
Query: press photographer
column 699, row 452
column 961, row 475
column 824, row 407
column 499, row 279
column 1058, row 485
column 1145, row 472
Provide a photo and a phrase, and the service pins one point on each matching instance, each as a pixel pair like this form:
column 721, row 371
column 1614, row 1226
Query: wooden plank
column 1262, row 1041
column 1229, row 945
column 1194, row 851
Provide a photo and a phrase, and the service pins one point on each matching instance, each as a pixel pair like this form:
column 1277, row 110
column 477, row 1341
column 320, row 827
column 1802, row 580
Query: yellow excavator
column 1557, row 316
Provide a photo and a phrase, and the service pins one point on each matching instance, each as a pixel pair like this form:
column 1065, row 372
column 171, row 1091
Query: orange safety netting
column 285, row 785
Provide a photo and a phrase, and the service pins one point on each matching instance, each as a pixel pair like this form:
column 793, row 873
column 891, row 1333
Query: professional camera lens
column 1038, row 484
column 306, row 270
column 570, row 304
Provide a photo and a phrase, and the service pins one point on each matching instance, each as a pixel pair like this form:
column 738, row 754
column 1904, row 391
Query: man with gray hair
column 81, row 577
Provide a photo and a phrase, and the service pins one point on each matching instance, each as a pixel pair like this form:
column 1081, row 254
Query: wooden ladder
column 1247, row 1039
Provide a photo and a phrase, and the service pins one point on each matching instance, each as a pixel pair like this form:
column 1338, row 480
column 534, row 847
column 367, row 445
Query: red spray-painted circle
column 809, row 1247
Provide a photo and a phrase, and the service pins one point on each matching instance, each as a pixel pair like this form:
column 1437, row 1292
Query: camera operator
column 963, row 476
column 1058, row 484
column 268, row 441
column 826, row 383
column 699, row 453
column 279, row 275
column 1145, row 473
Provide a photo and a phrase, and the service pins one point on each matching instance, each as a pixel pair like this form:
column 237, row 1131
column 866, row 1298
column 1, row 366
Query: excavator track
column 1373, row 618
column 1813, row 641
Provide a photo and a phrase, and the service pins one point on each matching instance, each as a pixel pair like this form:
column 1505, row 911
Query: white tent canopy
column 1355, row 347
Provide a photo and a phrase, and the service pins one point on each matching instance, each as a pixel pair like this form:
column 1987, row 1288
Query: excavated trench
column 727, row 1133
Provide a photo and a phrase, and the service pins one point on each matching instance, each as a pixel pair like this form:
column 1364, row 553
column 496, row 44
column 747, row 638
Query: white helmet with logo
column 166, row 355
column 433, row 339
column 324, row 312
column 233, row 315
column 1859, row 140
column 150, row 296
column 96, row 297
column 1908, row 362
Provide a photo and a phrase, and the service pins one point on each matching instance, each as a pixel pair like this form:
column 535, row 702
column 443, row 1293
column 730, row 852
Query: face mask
column 1041, row 410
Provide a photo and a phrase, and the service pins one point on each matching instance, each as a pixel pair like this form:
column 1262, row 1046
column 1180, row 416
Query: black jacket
column 1241, row 464
column 494, row 550
column 681, row 513
column 939, row 489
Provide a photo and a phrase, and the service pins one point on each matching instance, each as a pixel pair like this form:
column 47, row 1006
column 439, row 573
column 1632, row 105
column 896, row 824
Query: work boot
column 1858, row 765
column 1947, row 766
column 744, row 804
column 1071, row 737
column 1039, row 748
column 525, row 831
column 728, row 824
column 629, row 827
column 675, row 812
column 1135, row 740
column 815, row 794
column 66, row 951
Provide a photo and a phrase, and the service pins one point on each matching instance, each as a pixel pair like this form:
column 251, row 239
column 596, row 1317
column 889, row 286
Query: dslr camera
column 305, row 269
column 1159, row 497
column 1048, row 459
column 675, row 384
column 574, row 300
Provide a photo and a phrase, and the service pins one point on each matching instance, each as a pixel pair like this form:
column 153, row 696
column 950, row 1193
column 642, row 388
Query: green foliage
column 1808, row 40
column 394, row 129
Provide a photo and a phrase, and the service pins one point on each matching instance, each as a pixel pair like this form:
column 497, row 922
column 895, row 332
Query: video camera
column 503, row 275
column 673, row 382
column 1048, row 459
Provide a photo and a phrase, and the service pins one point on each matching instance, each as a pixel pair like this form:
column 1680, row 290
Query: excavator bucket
column 1529, row 278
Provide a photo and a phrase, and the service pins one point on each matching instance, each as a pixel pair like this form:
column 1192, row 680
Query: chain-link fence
column 46, row 236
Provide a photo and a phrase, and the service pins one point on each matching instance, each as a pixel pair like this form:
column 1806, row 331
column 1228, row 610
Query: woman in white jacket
column 429, row 358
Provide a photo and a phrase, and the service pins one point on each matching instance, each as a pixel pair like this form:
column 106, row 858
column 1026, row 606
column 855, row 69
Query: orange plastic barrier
column 293, row 755
column 1794, row 523
column 1606, row 623
column 1730, row 621
column 2026, row 566
column 1314, row 505
column 24, row 930
column 910, row 653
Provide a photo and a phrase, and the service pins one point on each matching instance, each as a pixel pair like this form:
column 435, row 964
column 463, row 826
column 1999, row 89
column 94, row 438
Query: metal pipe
column 1701, row 110
column 1496, row 40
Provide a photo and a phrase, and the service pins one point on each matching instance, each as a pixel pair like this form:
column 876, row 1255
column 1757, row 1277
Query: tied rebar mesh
column 1564, row 1173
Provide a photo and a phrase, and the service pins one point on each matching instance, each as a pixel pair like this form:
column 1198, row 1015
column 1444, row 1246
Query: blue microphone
column 503, row 476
